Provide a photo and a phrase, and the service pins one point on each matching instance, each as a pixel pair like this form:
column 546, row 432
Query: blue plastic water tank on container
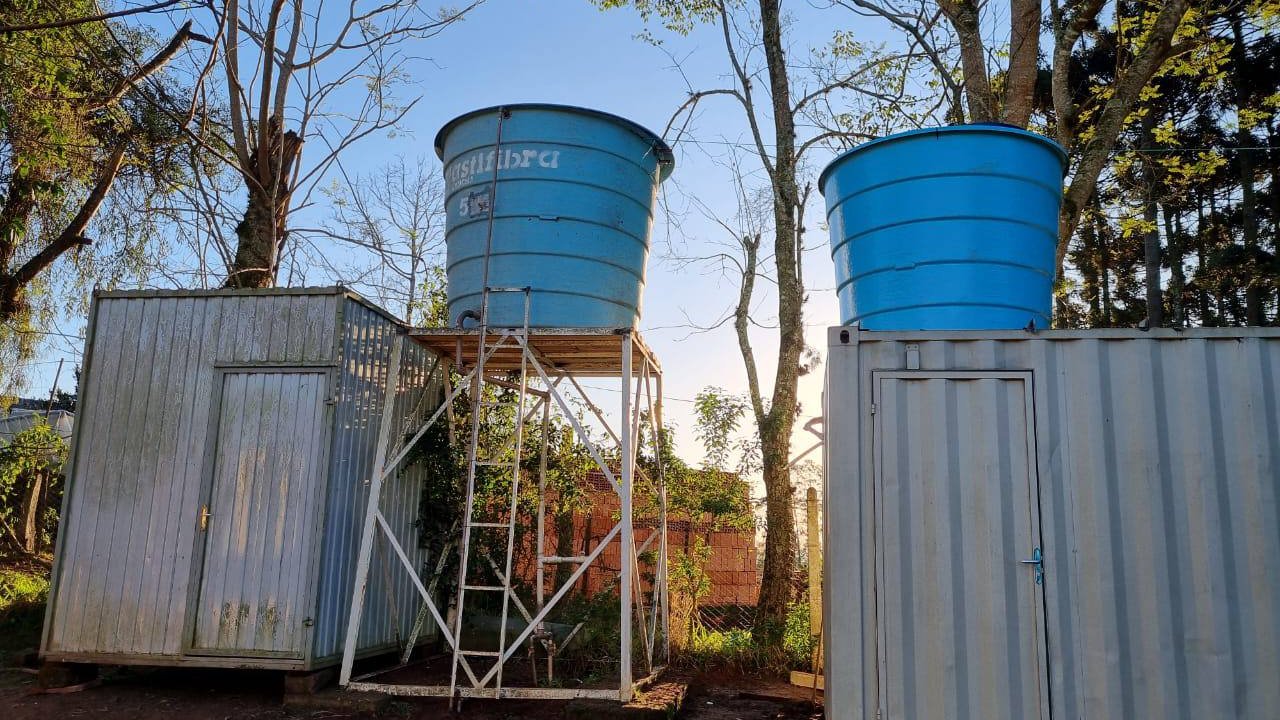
column 572, row 208
column 952, row 228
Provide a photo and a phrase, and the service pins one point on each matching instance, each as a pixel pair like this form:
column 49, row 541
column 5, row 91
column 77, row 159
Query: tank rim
column 986, row 127
column 666, row 158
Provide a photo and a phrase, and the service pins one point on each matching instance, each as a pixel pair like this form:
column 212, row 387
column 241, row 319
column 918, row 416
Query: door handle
column 1037, row 559
column 204, row 517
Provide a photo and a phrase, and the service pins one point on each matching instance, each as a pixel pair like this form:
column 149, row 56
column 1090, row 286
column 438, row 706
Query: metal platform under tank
column 586, row 352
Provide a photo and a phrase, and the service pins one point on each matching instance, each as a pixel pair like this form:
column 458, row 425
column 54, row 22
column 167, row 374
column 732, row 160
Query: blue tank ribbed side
column 572, row 213
column 952, row 228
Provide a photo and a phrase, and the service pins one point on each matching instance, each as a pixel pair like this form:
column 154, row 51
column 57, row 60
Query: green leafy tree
column 30, row 466
column 90, row 123
column 1181, row 229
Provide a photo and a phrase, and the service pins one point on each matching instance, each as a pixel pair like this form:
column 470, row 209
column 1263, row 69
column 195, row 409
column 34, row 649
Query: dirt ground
column 716, row 696
column 151, row 694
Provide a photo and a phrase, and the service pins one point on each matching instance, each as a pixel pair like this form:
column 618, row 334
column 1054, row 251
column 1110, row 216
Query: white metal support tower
column 545, row 364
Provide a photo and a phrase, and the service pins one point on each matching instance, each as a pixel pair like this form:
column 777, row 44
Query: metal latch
column 204, row 517
column 1037, row 559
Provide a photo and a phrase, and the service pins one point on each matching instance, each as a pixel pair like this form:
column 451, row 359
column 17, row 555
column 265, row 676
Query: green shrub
column 797, row 643
column 22, row 600
column 738, row 649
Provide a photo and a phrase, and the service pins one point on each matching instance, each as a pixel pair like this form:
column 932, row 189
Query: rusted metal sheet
column 259, row 405
column 1157, row 474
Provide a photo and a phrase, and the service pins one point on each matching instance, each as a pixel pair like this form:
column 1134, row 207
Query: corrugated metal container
column 1144, row 466
column 945, row 228
column 216, row 476
column 571, row 199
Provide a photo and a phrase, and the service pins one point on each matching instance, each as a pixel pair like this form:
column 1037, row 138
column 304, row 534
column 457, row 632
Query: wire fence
column 715, row 587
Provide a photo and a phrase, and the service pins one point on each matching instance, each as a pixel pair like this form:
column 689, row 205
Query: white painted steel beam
column 366, row 534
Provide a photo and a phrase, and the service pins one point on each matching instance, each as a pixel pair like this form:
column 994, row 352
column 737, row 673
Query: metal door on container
column 266, row 468
column 961, row 631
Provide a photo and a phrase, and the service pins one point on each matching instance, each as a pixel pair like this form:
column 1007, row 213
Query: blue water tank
column 952, row 228
column 571, row 193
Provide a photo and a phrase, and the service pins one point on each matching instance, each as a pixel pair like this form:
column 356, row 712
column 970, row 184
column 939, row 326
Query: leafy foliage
column 738, row 650
column 1181, row 231
column 23, row 595
column 79, row 140
column 37, row 451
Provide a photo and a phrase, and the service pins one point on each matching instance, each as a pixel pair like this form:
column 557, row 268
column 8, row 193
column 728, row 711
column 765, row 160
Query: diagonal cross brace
column 417, row 584
column 546, row 609
column 577, row 427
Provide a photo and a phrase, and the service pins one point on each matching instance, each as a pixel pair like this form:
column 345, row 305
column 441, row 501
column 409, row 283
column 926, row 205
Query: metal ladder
column 487, row 346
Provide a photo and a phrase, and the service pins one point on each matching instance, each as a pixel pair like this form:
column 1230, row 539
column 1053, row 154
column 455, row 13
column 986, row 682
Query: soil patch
column 724, row 696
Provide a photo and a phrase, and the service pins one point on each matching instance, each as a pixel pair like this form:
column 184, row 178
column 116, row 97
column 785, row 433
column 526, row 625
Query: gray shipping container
column 1144, row 467
column 218, row 479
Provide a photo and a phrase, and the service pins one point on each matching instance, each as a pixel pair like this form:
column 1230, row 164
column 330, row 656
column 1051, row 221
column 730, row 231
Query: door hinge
column 873, row 408
column 204, row 517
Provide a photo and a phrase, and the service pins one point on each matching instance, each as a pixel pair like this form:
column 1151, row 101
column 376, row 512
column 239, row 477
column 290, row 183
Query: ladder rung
column 488, row 524
column 569, row 559
column 480, row 653
column 485, row 588
column 495, row 463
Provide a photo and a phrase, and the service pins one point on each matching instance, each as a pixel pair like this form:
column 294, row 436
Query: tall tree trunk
column 778, row 421
column 1273, row 164
column 964, row 17
column 1024, row 54
column 1151, row 252
column 1202, row 236
column 1178, row 275
column 1104, row 259
column 1219, row 297
column 1091, row 270
column 29, row 529
column 262, row 232
column 1151, row 242
column 1244, row 138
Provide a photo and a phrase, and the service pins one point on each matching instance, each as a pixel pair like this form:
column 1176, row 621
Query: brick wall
column 732, row 567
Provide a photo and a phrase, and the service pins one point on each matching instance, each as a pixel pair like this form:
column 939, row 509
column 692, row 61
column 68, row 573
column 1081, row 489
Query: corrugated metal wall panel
column 366, row 353
column 129, row 517
column 1159, row 466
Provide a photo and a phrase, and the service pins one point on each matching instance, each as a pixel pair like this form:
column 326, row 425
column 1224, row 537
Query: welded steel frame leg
column 664, row 586
column 627, row 536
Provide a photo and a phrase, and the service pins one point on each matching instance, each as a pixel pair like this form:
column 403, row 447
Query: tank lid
column 986, row 127
column 666, row 158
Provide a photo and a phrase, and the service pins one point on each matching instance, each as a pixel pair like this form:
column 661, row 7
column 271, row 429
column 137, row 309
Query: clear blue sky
column 567, row 51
